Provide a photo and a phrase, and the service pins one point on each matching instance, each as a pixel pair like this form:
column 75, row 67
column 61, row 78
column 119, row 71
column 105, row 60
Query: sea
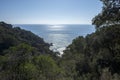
column 60, row 36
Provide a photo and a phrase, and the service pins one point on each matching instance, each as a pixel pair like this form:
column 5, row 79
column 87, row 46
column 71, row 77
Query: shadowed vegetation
column 25, row 56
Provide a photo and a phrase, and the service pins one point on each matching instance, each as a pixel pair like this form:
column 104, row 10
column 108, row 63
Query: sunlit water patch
column 60, row 41
column 59, row 35
column 56, row 27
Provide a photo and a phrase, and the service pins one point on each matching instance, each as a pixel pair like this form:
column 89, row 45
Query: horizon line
column 48, row 24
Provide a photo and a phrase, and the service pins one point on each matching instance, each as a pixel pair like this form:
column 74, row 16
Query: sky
column 49, row 11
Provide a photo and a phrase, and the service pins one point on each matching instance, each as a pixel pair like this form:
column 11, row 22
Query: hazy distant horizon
column 50, row 24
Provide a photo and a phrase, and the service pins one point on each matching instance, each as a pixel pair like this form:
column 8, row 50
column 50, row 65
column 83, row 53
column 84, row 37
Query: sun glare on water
column 56, row 27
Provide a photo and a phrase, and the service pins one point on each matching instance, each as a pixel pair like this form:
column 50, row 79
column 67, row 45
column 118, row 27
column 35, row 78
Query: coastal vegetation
column 25, row 56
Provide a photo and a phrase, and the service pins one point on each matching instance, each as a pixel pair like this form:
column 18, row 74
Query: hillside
column 24, row 55
column 94, row 57
column 12, row 36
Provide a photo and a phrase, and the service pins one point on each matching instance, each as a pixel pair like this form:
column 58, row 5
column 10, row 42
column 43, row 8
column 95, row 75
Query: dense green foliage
column 110, row 14
column 10, row 36
column 19, row 63
column 25, row 56
column 95, row 57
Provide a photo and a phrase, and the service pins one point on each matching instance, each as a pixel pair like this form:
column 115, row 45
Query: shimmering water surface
column 60, row 35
